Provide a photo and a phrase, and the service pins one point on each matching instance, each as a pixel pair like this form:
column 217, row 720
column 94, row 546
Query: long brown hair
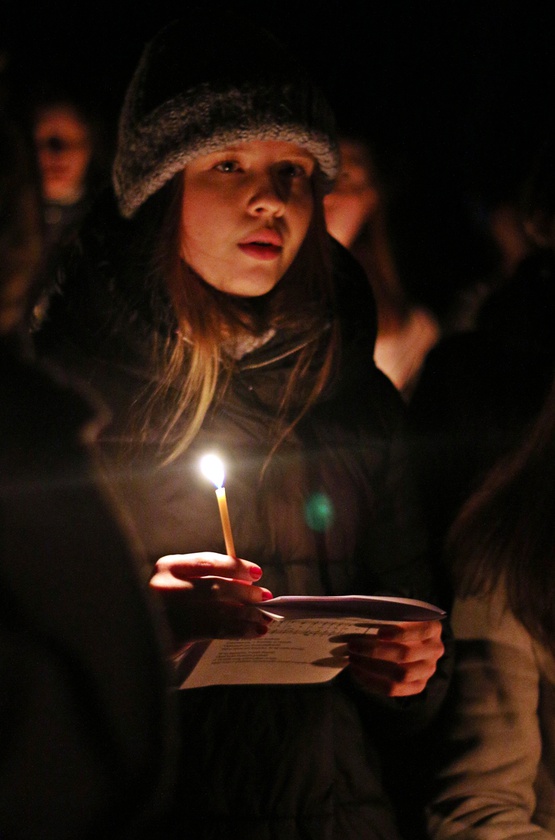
column 192, row 368
column 507, row 530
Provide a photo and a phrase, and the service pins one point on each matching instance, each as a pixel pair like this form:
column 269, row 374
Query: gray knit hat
column 204, row 84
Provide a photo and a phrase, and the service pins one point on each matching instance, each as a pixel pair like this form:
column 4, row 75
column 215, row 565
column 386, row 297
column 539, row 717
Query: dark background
column 470, row 72
column 465, row 90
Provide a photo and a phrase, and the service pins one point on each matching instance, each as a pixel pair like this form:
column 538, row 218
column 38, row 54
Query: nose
column 267, row 196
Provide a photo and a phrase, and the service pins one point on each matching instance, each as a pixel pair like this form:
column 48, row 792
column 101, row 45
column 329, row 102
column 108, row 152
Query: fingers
column 183, row 567
column 210, row 596
column 209, row 588
column 229, row 621
column 386, row 679
column 401, row 643
column 397, row 661
column 201, row 620
column 223, row 589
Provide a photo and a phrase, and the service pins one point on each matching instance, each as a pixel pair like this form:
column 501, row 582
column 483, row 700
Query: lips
column 265, row 244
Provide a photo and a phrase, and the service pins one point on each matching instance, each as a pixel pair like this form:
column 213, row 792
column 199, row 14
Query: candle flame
column 213, row 469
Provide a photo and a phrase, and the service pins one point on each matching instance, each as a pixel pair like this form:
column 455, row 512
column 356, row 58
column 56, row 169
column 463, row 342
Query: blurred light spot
column 319, row 512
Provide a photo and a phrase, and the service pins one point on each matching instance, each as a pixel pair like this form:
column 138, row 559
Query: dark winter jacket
column 479, row 391
column 87, row 731
column 268, row 761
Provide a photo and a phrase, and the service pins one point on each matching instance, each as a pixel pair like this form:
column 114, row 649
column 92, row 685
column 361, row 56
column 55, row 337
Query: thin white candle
column 213, row 469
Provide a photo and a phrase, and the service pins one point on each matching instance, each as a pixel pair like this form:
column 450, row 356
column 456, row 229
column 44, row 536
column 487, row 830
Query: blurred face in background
column 64, row 149
column 354, row 198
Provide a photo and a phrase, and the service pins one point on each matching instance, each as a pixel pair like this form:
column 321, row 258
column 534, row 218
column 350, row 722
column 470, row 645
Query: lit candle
column 213, row 469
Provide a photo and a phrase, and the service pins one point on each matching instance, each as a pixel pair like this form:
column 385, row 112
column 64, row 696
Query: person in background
column 72, row 155
column 356, row 211
column 87, row 723
column 481, row 389
column 73, row 152
column 495, row 774
column 209, row 307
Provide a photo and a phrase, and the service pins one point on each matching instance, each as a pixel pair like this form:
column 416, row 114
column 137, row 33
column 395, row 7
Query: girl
column 497, row 776
column 217, row 314
column 497, row 772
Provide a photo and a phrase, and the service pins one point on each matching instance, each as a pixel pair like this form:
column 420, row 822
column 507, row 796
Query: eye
column 227, row 166
column 292, row 170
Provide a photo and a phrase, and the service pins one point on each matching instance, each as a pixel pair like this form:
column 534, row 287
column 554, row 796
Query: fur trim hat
column 202, row 85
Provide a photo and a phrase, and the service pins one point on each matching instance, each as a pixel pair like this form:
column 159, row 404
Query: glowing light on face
column 246, row 211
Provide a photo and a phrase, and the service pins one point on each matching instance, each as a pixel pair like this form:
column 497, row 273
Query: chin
column 251, row 288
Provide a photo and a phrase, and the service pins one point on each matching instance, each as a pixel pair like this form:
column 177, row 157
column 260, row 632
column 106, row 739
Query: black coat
column 87, row 731
column 480, row 391
column 267, row 761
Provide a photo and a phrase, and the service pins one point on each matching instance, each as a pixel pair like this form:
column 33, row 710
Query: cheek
column 191, row 246
column 202, row 238
column 192, row 227
column 187, row 239
column 301, row 218
column 83, row 160
column 201, row 216
column 76, row 165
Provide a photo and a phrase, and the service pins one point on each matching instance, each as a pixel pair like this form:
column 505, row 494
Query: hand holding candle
column 210, row 596
column 213, row 469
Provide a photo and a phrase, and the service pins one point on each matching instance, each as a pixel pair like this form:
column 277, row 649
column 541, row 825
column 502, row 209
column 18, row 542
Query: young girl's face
column 246, row 211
